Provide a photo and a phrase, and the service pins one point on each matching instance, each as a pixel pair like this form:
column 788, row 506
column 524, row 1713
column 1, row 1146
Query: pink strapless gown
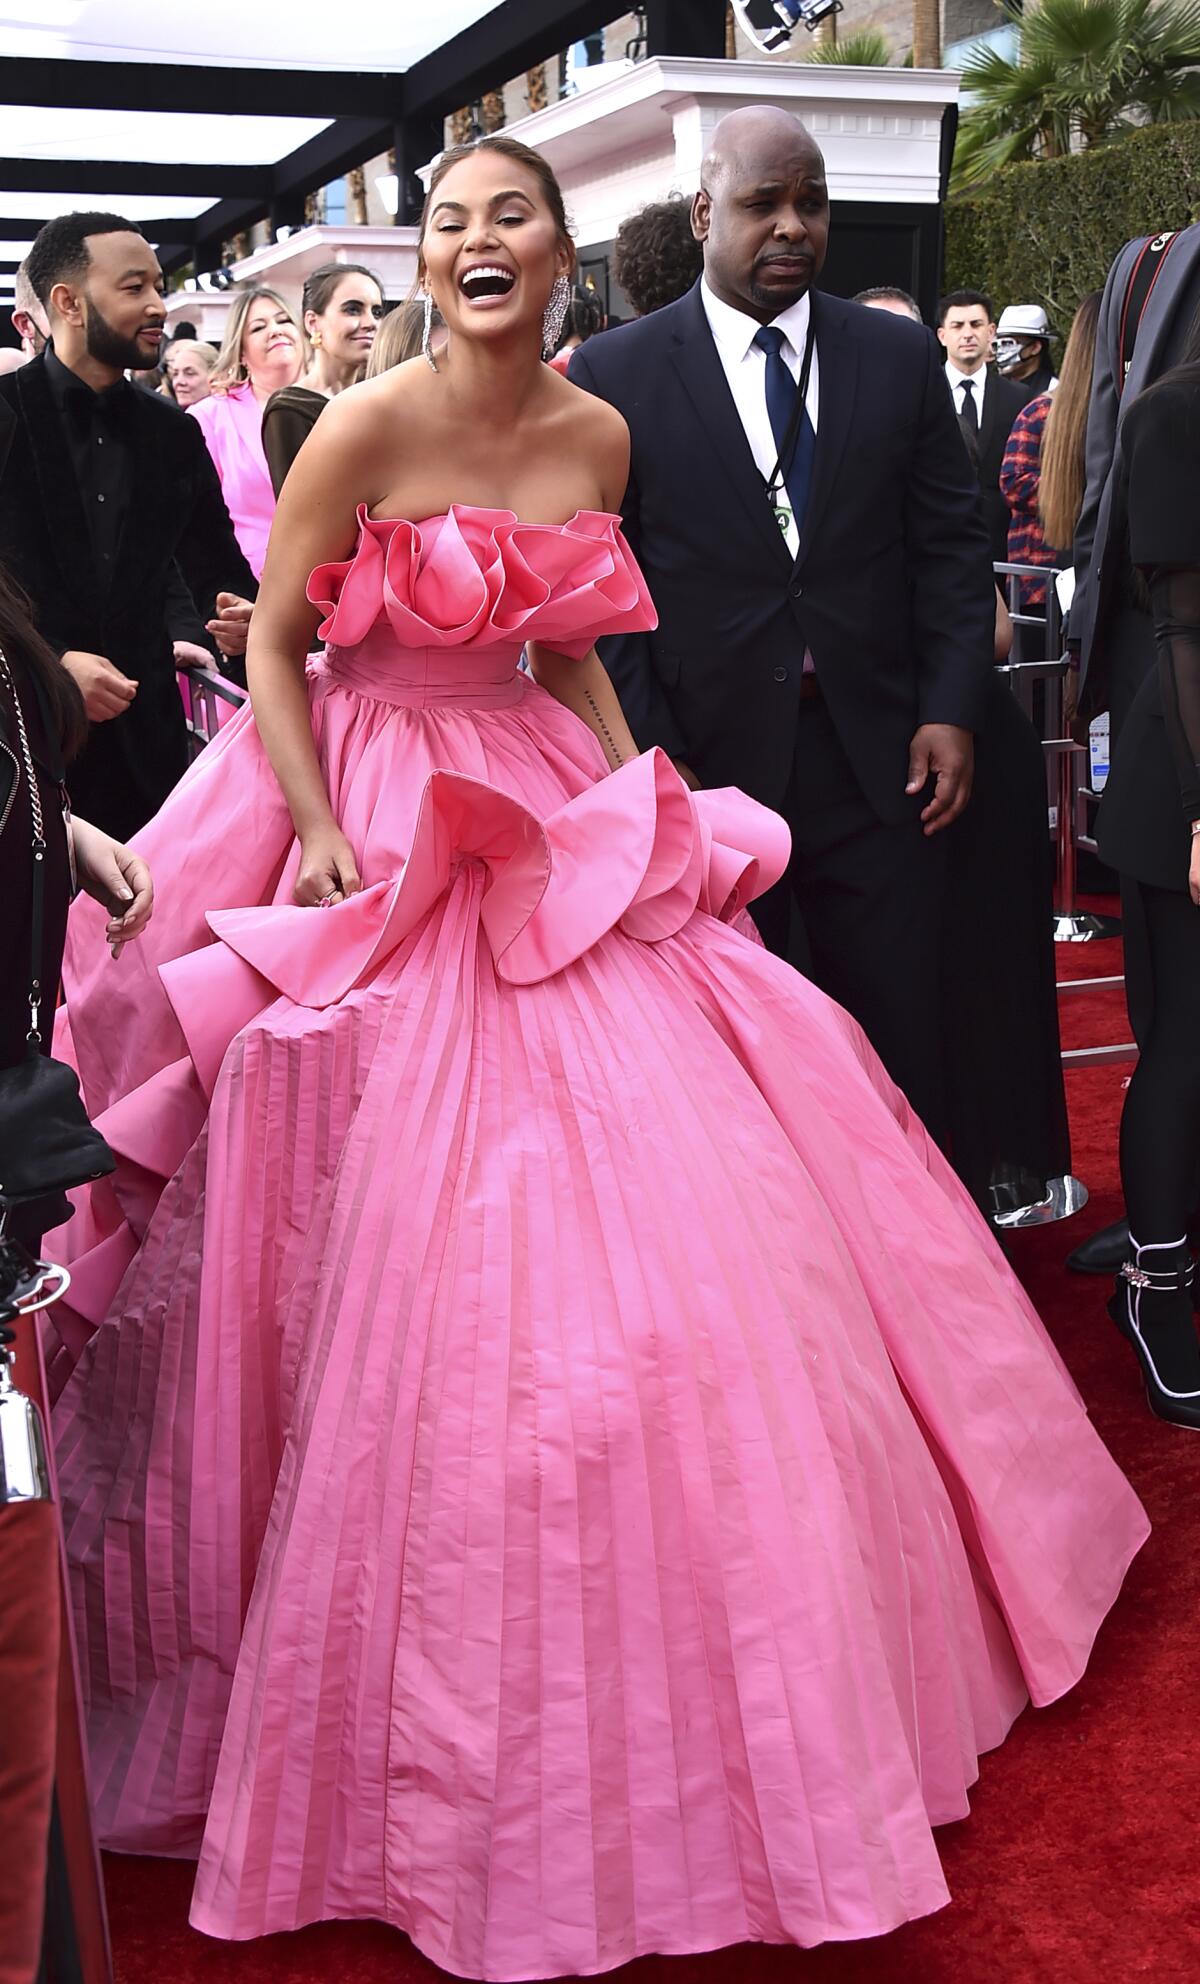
column 560, row 1464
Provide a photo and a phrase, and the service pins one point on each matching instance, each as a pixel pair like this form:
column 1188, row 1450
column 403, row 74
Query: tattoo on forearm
column 603, row 728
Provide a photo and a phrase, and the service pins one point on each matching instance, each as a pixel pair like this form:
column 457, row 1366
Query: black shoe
column 1153, row 1311
column 1104, row 1253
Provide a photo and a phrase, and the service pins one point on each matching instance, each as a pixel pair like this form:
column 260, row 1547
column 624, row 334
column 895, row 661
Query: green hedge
column 1046, row 232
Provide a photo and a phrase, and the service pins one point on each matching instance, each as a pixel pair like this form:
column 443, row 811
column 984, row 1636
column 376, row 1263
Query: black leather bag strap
column 37, row 903
column 1138, row 290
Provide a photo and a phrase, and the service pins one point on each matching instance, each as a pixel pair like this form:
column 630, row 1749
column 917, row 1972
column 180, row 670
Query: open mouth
column 487, row 279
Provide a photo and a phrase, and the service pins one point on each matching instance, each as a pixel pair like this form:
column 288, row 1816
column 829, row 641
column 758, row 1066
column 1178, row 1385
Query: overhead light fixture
column 388, row 188
column 771, row 24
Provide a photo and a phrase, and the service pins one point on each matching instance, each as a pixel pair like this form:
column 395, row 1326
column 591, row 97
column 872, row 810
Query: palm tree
column 866, row 48
column 927, row 34
column 1087, row 71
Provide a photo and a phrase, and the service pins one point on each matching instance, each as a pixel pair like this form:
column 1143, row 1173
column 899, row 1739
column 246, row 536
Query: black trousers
column 1160, row 1124
column 860, row 912
column 1131, row 656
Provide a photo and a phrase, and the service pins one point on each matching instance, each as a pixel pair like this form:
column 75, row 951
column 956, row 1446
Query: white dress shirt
column 956, row 380
column 745, row 368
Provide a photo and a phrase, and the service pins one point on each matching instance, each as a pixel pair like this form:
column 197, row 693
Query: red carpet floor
column 1079, row 1862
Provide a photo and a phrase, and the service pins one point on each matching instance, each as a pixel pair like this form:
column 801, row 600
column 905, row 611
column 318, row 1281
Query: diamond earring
column 556, row 310
column 427, row 332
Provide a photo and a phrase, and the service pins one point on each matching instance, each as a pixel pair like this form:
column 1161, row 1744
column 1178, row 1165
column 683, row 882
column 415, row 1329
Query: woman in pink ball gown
column 553, row 1458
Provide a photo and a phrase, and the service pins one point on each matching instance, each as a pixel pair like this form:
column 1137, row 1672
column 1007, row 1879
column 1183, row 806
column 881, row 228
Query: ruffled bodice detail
column 481, row 579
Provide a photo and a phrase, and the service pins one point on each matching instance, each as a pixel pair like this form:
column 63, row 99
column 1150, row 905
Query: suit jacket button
column 781, row 674
column 796, row 589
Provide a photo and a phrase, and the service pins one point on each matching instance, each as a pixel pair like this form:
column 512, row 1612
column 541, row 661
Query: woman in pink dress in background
column 554, row 1460
column 262, row 352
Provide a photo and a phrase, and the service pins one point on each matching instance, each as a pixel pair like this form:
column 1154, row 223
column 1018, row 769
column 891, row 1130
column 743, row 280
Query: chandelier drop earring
column 427, row 331
column 556, row 310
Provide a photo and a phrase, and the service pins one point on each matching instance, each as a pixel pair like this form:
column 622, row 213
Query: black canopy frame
column 370, row 112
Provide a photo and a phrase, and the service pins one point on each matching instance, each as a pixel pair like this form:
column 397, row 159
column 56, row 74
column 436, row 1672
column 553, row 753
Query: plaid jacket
column 1020, row 474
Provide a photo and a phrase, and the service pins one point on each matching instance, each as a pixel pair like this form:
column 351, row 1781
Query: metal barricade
column 209, row 700
column 1069, row 794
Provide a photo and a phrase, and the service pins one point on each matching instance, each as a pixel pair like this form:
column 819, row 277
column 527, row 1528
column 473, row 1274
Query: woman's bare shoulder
column 601, row 431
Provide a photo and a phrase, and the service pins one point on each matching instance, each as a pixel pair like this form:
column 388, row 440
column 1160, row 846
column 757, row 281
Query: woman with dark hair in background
column 1149, row 829
column 341, row 309
column 51, row 715
column 584, row 318
column 657, row 258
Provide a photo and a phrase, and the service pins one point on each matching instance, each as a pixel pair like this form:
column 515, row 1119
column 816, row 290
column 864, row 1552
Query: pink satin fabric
column 232, row 427
column 551, row 1458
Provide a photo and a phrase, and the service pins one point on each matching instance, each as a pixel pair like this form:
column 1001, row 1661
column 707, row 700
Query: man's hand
column 106, row 692
column 231, row 628
column 189, row 654
column 946, row 754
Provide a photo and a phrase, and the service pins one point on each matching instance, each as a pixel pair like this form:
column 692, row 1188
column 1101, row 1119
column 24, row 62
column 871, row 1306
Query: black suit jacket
column 1103, row 576
column 891, row 589
column 176, row 515
column 1002, row 402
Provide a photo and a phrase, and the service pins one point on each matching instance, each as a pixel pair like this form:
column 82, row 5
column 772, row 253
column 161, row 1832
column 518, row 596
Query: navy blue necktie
column 781, row 404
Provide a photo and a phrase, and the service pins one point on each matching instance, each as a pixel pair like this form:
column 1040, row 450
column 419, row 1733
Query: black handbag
column 47, row 1144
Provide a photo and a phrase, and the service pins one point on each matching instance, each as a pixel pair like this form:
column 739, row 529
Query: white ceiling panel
column 158, row 137
column 136, row 207
column 307, row 34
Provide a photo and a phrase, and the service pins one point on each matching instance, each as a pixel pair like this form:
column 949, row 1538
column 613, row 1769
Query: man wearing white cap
column 1023, row 347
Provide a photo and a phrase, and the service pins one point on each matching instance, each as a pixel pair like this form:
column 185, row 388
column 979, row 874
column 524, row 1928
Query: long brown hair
column 1061, row 482
column 33, row 656
column 399, row 336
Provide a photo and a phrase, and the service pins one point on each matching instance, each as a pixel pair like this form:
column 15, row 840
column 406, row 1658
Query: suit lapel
column 837, row 361
column 55, row 472
column 696, row 359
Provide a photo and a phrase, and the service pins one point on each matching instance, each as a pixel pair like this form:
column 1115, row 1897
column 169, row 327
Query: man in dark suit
column 104, row 492
column 825, row 619
column 985, row 403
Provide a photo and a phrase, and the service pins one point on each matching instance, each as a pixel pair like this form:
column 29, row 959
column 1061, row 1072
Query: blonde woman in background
column 263, row 350
column 189, row 366
column 400, row 334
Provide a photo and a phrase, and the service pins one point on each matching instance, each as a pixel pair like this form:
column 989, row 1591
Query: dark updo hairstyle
column 585, row 316
column 32, row 657
column 657, row 258
column 520, row 155
column 321, row 286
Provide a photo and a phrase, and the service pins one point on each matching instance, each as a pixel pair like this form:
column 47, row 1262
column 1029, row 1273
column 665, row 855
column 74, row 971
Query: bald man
column 809, row 525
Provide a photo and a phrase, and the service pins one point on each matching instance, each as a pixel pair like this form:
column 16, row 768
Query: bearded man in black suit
column 809, row 526
column 106, row 495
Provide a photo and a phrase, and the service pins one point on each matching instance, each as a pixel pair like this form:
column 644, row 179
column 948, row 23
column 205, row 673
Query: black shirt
column 98, row 433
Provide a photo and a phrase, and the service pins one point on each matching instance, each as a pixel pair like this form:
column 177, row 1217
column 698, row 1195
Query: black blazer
column 1002, row 402
column 892, row 587
column 1153, row 789
column 1103, row 576
column 177, row 515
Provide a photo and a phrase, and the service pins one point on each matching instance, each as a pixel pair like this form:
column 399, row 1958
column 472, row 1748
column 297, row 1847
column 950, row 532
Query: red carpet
column 1079, row 1860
